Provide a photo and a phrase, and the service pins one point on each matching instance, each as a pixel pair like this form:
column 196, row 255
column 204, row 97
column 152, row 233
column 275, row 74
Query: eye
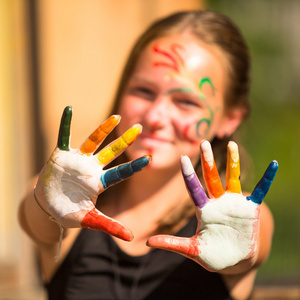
column 142, row 92
column 187, row 102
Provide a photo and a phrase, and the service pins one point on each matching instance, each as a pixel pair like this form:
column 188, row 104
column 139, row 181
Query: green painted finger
column 64, row 130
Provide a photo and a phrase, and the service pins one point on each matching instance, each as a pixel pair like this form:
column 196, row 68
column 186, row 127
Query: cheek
column 131, row 109
column 195, row 130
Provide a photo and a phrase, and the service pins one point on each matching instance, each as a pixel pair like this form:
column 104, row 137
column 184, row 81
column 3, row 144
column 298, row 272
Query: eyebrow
column 176, row 90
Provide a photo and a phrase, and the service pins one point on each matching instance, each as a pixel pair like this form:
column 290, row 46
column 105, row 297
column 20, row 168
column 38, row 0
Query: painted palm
column 228, row 222
column 72, row 179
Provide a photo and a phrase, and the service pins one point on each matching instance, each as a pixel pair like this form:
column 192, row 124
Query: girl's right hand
column 72, row 179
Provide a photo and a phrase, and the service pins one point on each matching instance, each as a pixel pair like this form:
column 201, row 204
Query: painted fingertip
column 274, row 167
column 207, row 152
column 233, row 150
column 63, row 140
column 141, row 163
column 131, row 134
column 186, row 165
column 263, row 186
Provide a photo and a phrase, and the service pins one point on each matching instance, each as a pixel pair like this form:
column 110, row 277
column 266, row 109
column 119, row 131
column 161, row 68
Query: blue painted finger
column 64, row 129
column 264, row 184
column 192, row 183
column 119, row 173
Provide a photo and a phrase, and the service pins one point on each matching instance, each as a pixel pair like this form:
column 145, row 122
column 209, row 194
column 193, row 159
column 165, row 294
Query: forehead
column 184, row 55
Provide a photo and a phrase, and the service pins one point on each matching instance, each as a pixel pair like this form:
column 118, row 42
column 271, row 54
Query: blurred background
column 55, row 53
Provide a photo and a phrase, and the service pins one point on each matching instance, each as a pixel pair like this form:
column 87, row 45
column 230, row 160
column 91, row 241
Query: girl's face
column 176, row 92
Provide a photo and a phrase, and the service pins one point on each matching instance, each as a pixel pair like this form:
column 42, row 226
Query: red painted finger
column 94, row 219
column 185, row 246
column 210, row 171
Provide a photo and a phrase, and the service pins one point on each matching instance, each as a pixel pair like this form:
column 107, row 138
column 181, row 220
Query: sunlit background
column 55, row 53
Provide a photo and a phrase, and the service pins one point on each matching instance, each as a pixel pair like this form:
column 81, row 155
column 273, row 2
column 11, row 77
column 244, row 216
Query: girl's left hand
column 228, row 222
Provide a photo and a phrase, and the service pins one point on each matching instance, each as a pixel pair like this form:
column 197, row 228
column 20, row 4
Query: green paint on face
column 209, row 120
column 64, row 129
column 178, row 90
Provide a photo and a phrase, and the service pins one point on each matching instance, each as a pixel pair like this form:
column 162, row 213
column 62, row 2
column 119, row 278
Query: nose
column 158, row 113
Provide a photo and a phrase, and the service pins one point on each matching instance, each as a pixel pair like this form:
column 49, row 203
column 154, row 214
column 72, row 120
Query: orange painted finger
column 210, row 172
column 233, row 184
column 97, row 137
column 118, row 146
column 188, row 247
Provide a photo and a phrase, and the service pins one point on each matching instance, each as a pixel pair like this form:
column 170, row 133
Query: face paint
column 201, row 128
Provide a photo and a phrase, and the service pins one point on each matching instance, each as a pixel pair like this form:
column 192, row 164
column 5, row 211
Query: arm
column 67, row 188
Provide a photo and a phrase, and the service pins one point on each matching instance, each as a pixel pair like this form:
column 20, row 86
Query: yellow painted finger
column 117, row 147
column 233, row 184
column 97, row 137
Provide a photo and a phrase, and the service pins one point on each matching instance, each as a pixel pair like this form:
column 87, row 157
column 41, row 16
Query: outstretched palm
column 72, row 179
column 228, row 222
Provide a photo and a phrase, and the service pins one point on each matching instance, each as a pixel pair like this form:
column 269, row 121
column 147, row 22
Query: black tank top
column 96, row 268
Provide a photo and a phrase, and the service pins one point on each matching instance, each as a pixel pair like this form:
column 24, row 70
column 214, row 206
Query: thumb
column 188, row 247
column 96, row 220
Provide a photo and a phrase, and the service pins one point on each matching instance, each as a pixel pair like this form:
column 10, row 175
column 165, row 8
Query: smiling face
column 176, row 93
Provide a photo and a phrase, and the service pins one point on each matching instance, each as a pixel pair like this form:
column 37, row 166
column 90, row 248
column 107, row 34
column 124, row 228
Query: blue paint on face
column 119, row 173
column 264, row 184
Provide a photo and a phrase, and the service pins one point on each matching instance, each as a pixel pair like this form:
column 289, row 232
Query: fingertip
column 233, row 150
column 274, row 165
column 186, row 165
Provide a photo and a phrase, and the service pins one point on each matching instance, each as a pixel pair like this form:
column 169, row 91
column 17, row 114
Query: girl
column 185, row 85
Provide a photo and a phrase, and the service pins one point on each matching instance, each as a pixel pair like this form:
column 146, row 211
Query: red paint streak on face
column 173, row 65
column 154, row 126
column 94, row 220
column 186, row 137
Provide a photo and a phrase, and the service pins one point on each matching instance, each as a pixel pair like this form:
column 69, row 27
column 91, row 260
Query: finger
column 264, row 184
column 95, row 220
column 119, row 173
column 117, row 147
column 210, row 172
column 97, row 137
column 192, row 182
column 63, row 142
column 233, row 184
column 185, row 246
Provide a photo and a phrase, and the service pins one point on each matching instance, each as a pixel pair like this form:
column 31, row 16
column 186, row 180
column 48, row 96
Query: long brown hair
column 214, row 29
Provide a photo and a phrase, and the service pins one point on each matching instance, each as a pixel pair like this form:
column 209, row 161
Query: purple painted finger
column 192, row 182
